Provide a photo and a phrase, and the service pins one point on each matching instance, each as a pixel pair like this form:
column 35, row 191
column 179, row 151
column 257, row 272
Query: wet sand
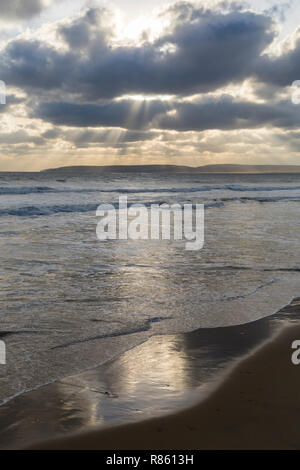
column 163, row 375
column 256, row 407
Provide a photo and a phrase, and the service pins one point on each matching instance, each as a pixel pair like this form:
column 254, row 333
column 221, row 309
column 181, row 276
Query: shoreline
column 257, row 406
column 181, row 369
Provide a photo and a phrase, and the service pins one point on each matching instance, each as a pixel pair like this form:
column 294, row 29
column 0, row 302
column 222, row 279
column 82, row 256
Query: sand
column 162, row 375
column 256, row 406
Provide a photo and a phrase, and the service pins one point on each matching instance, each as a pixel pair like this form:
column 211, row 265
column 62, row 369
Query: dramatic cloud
column 128, row 114
column 281, row 71
column 207, row 81
column 210, row 50
column 214, row 113
column 226, row 113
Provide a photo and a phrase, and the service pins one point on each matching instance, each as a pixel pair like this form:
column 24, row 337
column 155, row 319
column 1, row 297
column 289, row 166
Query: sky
column 130, row 82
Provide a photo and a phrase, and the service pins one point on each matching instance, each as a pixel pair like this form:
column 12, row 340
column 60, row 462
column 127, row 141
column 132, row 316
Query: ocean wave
column 223, row 187
column 261, row 199
column 237, row 187
column 23, row 190
column 31, row 211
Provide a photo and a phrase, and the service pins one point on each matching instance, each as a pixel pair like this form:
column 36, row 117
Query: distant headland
column 226, row 168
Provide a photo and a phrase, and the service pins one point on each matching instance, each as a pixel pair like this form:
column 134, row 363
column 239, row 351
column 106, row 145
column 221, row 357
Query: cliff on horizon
column 226, row 168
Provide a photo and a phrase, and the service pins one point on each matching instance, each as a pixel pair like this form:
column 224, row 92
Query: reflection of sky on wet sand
column 158, row 376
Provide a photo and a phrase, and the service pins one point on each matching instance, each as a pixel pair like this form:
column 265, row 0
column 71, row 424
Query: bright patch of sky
column 135, row 11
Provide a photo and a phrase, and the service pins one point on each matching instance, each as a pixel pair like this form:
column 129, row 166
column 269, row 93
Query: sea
column 70, row 302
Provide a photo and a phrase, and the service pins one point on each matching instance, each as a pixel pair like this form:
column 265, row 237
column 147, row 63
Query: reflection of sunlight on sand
column 141, row 381
column 168, row 372
column 78, row 406
column 159, row 364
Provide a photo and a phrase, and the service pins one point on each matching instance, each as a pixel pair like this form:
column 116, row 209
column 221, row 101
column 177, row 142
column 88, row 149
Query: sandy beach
column 256, row 407
column 227, row 371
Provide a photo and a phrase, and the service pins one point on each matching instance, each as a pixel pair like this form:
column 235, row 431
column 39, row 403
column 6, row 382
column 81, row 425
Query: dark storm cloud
column 227, row 114
column 206, row 52
column 281, row 71
column 33, row 65
column 93, row 28
column 128, row 114
column 203, row 50
column 20, row 9
column 213, row 113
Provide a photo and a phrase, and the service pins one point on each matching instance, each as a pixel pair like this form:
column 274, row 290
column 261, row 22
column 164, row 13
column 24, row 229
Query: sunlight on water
column 70, row 302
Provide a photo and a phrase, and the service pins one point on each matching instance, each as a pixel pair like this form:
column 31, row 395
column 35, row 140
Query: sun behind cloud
column 193, row 83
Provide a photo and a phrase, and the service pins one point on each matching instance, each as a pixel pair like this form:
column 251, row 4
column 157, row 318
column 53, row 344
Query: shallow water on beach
column 69, row 302
column 181, row 369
